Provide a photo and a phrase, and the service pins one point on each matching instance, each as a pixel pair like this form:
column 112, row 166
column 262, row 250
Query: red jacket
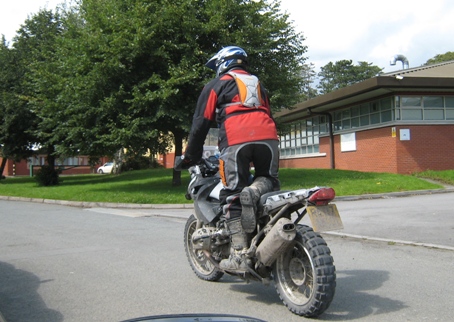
column 237, row 123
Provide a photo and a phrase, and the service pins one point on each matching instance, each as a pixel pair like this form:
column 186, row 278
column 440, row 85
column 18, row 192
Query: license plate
column 325, row 218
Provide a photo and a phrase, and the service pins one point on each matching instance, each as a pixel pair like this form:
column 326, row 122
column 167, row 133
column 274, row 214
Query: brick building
column 399, row 122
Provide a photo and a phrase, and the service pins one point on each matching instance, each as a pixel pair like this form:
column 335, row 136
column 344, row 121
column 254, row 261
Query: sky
column 335, row 30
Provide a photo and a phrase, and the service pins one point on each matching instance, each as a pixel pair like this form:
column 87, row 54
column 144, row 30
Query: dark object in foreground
column 197, row 317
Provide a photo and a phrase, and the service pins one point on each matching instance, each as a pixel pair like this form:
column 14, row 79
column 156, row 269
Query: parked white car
column 106, row 168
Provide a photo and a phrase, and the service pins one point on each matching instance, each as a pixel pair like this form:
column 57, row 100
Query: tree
column 343, row 73
column 133, row 69
column 441, row 58
column 35, row 44
column 308, row 74
column 17, row 120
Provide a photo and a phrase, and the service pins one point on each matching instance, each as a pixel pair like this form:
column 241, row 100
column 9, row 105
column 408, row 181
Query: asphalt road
column 60, row 263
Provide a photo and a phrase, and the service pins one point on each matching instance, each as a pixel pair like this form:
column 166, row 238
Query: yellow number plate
column 325, row 218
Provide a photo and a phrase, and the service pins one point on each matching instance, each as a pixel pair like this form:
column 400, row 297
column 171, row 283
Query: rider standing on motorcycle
column 238, row 103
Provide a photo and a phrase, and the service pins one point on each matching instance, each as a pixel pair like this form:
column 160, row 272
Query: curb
column 85, row 204
column 395, row 194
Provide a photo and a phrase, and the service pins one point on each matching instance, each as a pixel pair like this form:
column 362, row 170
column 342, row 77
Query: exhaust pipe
column 276, row 241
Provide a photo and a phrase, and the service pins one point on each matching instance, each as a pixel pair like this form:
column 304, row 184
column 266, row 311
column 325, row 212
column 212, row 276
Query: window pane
column 375, row 118
column 355, row 111
column 364, row 120
column 411, row 101
column 411, row 114
column 386, row 104
column 364, row 109
column 450, row 114
column 374, row 107
column 355, row 122
column 346, row 124
column 434, row 114
column 346, row 114
column 433, row 101
column 386, row 116
column 449, row 102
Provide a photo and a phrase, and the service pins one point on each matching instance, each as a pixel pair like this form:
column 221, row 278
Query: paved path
column 422, row 218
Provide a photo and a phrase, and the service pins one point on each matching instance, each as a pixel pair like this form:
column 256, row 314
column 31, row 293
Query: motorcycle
column 294, row 256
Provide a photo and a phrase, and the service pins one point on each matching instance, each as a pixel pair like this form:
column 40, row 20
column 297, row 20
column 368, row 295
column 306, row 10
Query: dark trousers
column 235, row 170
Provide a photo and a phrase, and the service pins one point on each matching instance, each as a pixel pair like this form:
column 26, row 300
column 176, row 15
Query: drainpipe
column 400, row 58
column 331, row 136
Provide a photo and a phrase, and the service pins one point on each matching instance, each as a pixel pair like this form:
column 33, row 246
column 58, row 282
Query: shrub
column 48, row 176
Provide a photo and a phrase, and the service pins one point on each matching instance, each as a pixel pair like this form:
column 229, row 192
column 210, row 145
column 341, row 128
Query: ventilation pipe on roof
column 400, row 58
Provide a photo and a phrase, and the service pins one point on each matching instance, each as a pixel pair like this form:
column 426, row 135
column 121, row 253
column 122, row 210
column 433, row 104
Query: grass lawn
column 153, row 186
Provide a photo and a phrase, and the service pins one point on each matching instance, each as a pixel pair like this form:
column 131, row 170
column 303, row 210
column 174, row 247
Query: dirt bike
column 293, row 255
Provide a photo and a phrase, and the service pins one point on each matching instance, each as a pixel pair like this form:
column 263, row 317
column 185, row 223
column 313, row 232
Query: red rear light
column 322, row 197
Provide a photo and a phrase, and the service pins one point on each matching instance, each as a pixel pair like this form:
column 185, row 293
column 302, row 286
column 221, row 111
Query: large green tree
column 343, row 73
column 35, row 44
column 133, row 69
column 17, row 120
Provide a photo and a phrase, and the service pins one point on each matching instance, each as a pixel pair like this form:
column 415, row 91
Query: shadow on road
column 356, row 295
column 19, row 299
column 354, row 298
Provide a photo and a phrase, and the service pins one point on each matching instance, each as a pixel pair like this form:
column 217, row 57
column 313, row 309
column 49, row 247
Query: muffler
column 276, row 241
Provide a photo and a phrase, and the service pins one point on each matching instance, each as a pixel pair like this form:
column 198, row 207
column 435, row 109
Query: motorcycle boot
column 249, row 197
column 237, row 261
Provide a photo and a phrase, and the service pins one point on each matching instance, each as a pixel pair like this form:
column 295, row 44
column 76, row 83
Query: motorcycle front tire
column 305, row 275
column 200, row 264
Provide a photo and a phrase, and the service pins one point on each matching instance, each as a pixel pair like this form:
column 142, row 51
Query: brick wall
column 429, row 148
column 377, row 150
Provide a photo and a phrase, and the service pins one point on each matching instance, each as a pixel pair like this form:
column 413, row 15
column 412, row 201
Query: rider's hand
column 183, row 162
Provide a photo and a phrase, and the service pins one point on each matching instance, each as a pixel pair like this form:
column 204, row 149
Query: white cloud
column 335, row 30
column 373, row 32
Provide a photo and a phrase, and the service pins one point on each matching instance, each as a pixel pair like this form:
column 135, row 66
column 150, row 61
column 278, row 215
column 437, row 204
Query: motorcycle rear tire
column 305, row 275
column 200, row 264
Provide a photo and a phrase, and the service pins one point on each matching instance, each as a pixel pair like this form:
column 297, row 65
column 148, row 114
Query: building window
column 366, row 114
column 303, row 137
column 407, row 108
column 449, row 105
column 428, row 108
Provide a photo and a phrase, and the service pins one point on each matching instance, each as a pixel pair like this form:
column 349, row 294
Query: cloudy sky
column 350, row 29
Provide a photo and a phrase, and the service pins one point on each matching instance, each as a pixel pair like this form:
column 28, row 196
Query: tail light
column 322, row 197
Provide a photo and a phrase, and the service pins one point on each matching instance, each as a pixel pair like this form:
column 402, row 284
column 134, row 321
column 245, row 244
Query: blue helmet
column 227, row 58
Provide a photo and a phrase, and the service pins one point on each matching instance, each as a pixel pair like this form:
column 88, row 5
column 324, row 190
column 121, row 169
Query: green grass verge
column 446, row 176
column 154, row 186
